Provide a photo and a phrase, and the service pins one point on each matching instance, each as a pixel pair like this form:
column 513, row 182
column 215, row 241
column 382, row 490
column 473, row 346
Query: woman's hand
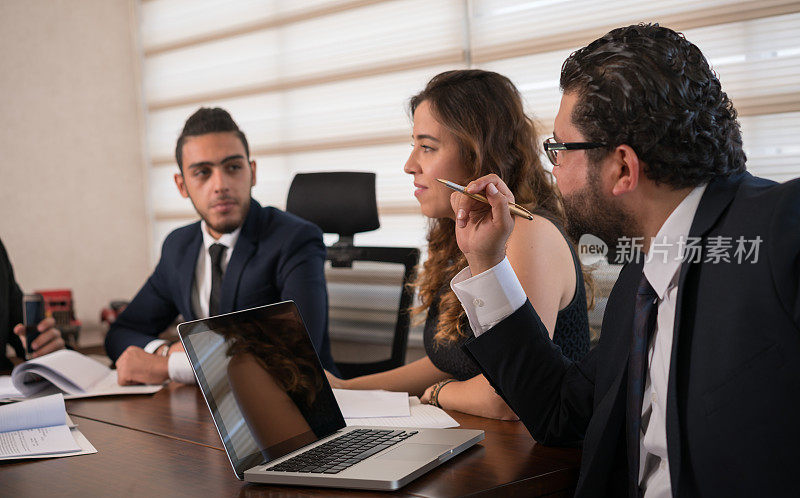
column 334, row 381
column 482, row 230
column 425, row 399
column 433, row 394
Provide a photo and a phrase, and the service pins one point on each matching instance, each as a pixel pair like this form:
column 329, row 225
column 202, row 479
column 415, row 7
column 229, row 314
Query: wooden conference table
column 165, row 444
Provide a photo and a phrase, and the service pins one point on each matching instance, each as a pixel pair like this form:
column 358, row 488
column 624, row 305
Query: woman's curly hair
column 646, row 86
column 484, row 112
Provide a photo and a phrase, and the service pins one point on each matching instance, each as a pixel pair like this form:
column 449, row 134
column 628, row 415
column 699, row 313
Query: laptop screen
column 263, row 382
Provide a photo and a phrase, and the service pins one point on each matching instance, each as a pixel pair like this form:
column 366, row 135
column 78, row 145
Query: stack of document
column 40, row 428
column 67, row 372
column 389, row 409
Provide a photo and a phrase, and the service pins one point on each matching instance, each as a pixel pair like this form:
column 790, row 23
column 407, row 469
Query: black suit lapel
column 245, row 248
column 718, row 195
column 186, row 269
column 606, row 428
column 624, row 295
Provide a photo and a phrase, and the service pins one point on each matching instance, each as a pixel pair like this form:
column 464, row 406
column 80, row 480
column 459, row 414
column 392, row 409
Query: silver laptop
column 278, row 419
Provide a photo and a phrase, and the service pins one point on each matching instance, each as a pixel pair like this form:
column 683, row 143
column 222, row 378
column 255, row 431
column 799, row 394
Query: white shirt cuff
column 153, row 345
column 488, row 297
column 180, row 370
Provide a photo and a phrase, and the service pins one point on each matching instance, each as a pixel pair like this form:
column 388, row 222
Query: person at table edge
column 12, row 332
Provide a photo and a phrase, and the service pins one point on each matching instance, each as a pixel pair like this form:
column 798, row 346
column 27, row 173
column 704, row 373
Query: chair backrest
column 344, row 203
column 604, row 276
column 341, row 202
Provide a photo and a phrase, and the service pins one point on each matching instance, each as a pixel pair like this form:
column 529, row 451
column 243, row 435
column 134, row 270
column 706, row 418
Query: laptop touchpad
column 415, row 452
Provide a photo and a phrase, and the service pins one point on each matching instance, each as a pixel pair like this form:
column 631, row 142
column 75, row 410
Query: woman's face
column 435, row 155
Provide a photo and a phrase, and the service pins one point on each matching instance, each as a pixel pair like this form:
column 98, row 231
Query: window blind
column 323, row 84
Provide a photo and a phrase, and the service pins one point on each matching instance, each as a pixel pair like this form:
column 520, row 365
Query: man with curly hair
column 693, row 389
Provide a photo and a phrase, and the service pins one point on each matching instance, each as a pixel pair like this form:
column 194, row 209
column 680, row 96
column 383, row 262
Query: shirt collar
column 664, row 257
column 226, row 239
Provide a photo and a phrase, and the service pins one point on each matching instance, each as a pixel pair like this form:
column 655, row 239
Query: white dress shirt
column 496, row 293
column 179, row 368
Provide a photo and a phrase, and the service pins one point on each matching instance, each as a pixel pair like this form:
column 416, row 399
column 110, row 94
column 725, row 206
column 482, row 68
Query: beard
column 226, row 225
column 587, row 211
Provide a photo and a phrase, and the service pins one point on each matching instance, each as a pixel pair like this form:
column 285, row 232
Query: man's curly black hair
column 208, row 120
column 646, row 86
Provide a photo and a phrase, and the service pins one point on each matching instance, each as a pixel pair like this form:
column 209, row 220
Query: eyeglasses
column 551, row 148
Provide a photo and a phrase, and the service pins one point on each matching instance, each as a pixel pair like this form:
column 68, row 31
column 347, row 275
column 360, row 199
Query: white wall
column 72, row 200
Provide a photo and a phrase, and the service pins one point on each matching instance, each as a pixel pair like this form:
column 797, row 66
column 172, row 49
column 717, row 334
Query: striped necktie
column 644, row 321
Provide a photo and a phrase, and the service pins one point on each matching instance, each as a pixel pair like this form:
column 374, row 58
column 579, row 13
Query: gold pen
column 514, row 208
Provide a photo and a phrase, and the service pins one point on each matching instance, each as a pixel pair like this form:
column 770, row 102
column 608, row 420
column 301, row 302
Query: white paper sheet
column 40, row 428
column 85, row 446
column 77, row 375
column 7, row 389
column 42, row 442
column 422, row 416
column 33, row 414
column 105, row 387
column 35, row 427
column 71, row 371
column 371, row 403
column 109, row 387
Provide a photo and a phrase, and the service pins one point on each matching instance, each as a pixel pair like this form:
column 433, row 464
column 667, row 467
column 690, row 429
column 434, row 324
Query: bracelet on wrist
column 437, row 388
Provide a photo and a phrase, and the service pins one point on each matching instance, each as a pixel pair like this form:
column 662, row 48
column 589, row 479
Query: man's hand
column 49, row 339
column 135, row 366
column 482, row 230
column 176, row 347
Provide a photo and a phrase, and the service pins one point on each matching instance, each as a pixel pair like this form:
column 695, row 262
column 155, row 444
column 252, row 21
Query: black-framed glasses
column 552, row 148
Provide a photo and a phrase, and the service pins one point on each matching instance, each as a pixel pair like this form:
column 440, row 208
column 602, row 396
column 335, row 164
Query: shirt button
column 654, row 398
column 478, row 302
column 663, row 464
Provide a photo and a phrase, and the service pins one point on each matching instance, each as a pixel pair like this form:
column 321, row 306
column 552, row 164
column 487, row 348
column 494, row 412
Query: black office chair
column 344, row 203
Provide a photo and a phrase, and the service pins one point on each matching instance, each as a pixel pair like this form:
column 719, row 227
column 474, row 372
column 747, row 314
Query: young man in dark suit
column 240, row 255
column 694, row 387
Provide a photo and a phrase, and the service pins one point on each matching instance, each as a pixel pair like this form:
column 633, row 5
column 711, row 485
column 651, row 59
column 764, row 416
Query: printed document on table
column 422, row 416
column 86, row 448
column 37, row 428
column 371, row 403
column 41, row 412
column 70, row 372
column 40, row 442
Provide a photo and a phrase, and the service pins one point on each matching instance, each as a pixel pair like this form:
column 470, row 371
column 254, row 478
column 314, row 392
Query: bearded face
column 589, row 212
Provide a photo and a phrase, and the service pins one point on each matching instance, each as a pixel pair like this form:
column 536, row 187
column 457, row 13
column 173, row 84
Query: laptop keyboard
column 342, row 452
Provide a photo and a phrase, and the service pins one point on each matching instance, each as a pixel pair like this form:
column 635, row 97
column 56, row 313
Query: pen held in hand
column 515, row 209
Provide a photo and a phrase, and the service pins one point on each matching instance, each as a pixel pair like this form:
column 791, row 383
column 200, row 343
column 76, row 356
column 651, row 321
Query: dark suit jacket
column 10, row 310
column 733, row 400
column 277, row 257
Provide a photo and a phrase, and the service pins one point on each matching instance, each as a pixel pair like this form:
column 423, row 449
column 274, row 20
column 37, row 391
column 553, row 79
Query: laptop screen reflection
column 278, row 382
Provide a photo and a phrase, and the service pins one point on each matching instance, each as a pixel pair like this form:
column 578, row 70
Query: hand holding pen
column 515, row 209
column 483, row 227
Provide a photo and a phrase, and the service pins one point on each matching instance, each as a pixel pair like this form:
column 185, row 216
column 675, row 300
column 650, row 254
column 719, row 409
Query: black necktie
column 215, row 251
column 644, row 321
